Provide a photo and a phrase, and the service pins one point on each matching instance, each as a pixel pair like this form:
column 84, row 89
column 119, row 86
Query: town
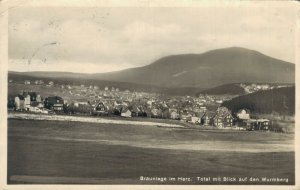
column 204, row 110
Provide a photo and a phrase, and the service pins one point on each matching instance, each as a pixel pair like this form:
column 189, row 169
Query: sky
column 105, row 39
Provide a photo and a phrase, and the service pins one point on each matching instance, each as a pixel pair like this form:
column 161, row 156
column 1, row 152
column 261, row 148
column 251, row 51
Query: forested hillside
column 281, row 100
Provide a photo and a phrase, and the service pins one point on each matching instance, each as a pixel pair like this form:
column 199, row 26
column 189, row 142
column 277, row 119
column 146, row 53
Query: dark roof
column 210, row 114
column 34, row 104
column 54, row 99
column 99, row 103
column 21, row 97
column 200, row 114
column 32, row 94
column 125, row 109
column 135, row 108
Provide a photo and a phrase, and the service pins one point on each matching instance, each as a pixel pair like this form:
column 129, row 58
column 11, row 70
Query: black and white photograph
column 149, row 93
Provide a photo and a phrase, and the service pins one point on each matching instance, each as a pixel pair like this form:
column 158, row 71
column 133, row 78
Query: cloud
column 86, row 41
column 108, row 39
column 139, row 31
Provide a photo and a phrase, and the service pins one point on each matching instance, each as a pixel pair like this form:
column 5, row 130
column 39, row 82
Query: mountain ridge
column 215, row 67
column 204, row 70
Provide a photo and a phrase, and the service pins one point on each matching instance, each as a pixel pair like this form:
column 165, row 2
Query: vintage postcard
column 149, row 94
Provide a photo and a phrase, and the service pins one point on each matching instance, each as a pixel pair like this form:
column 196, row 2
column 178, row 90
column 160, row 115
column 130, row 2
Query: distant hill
column 206, row 70
column 231, row 89
column 52, row 74
column 210, row 69
column 19, row 77
column 281, row 100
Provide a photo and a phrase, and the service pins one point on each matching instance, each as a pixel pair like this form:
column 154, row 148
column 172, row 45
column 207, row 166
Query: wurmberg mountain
column 216, row 67
column 206, row 70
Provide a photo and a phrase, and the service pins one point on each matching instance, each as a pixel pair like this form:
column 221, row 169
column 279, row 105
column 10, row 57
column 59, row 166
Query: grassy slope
column 91, row 159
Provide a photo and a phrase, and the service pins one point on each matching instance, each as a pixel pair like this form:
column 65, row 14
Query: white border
column 5, row 5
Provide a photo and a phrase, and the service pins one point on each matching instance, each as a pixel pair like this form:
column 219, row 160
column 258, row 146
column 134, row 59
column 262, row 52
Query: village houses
column 204, row 110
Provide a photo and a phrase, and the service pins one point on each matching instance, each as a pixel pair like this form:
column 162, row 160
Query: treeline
column 281, row 101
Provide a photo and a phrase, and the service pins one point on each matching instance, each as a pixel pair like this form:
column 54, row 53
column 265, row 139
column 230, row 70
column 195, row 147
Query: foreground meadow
column 57, row 152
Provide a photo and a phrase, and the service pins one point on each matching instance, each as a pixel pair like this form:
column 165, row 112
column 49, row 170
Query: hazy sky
column 107, row 39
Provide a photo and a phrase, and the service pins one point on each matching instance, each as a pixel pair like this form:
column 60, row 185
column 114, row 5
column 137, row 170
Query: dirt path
column 87, row 119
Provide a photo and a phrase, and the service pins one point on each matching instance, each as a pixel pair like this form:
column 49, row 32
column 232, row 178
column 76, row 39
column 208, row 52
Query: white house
column 19, row 102
column 195, row 119
column 126, row 112
column 243, row 114
column 27, row 82
column 27, row 101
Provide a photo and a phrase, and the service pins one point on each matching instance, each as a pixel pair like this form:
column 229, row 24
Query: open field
column 71, row 152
